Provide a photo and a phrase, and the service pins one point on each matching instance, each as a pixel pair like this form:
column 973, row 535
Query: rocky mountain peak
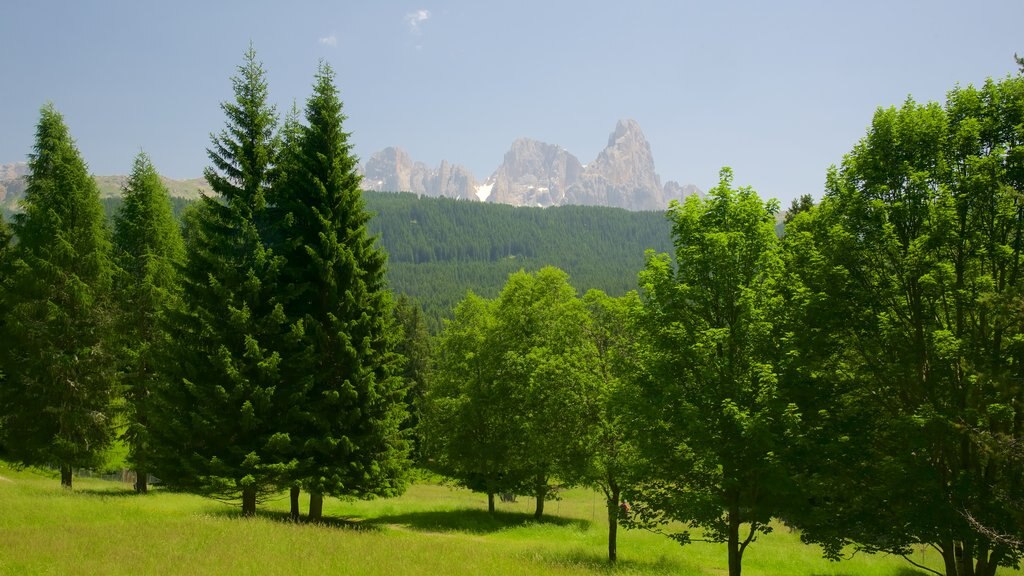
column 392, row 170
column 622, row 175
column 534, row 173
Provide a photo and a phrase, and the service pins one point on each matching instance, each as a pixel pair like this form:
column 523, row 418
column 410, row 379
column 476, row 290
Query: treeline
column 440, row 248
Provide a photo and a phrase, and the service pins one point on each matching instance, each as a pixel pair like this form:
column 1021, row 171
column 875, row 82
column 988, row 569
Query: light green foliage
column 56, row 399
column 220, row 418
column 148, row 250
column 919, row 238
column 462, row 422
column 545, row 377
column 711, row 421
column 342, row 380
column 613, row 365
column 513, row 398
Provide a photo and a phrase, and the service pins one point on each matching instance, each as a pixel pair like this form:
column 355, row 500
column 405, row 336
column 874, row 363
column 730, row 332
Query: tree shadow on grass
column 347, row 523
column 598, row 563
column 904, row 571
column 470, row 520
column 108, row 492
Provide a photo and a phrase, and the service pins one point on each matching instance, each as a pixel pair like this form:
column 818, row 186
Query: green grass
column 103, row 528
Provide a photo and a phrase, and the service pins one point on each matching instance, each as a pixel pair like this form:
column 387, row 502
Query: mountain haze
column 535, row 173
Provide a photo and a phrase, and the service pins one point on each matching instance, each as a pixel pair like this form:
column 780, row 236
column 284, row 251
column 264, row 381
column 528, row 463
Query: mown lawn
column 103, row 528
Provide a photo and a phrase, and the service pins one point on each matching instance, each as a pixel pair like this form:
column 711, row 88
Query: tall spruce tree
column 56, row 399
column 220, row 417
column 346, row 405
column 148, row 250
column 5, row 276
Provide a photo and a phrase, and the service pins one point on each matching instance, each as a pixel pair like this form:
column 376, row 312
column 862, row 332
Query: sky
column 779, row 91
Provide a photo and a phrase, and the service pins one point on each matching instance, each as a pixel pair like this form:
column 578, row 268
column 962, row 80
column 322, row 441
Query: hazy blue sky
column 777, row 90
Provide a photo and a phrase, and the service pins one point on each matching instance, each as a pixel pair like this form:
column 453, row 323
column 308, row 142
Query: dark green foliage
column 148, row 250
column 711, row 420
column 6, row 264
column 220, row 417
column 439, row 248
column 415, row 348
column 343, row 376
column 910, row 273
column 56, row 399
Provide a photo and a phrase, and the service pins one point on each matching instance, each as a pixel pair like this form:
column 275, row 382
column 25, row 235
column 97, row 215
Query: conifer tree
column 219, row 431
column 148, row 250
column 346, row 405
column 56, row 399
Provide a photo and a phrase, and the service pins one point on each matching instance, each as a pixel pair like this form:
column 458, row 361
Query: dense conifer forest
column 439, row 248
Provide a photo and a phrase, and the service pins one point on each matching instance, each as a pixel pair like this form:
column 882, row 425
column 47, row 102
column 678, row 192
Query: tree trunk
column 949, row 558
column 490, row 502
column 316, row 507
column 141, row 482
column 249, row 501
column 735, row 559
column 539, row 510
column 294, row 497
column 613, row 522
column 65, row 476
column 964, row 555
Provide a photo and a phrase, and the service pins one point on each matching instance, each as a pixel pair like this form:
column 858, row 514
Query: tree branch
column 905, row 557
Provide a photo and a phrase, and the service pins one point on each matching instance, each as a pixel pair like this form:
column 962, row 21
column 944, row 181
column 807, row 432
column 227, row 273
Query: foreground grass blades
column 102, row 527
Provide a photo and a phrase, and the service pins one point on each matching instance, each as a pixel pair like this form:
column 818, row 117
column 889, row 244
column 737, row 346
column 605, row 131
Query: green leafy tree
column 920, row 237
column 344, row 416
column 221, row 415
column 463, row 420
column 711, row 419
column 59, row 386
column 613, row 365
column 148, row 250
column 545, row 380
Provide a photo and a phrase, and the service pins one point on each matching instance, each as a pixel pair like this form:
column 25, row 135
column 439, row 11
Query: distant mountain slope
column 439, row 248
column 12, row 186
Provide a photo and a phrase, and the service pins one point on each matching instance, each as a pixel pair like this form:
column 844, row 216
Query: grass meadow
column 102, row 527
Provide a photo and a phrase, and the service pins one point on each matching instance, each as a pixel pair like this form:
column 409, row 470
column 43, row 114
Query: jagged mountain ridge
column 532, row 173
column 535, row 173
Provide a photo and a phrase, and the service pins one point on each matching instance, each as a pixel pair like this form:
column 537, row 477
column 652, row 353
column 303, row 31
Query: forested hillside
column 438, row 248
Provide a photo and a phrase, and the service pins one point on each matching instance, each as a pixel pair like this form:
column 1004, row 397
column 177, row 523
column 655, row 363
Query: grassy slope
column 102, row 527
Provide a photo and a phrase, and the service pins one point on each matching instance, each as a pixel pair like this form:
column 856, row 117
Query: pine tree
column 219, row 431
column 148, row 250
column 5, row 276
column 57, row 396
column 347, row 396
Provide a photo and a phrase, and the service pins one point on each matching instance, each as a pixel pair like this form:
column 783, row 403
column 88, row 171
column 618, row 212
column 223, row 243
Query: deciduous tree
column 711, row 421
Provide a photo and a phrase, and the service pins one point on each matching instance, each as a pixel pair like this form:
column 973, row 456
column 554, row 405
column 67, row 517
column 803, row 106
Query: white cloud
column 414, row 19
column 331, row 40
